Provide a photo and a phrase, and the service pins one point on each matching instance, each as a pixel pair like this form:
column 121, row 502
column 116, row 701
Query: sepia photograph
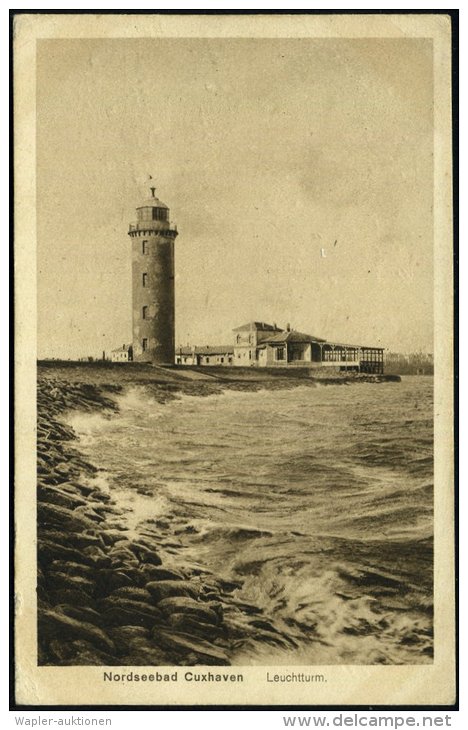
column 238, row 463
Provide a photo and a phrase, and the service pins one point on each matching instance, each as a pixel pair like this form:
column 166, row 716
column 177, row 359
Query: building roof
column 152, row 203
column 255, row 326
column 292, row 336
column 215, row 350
column 124, row 348
column 206, row 350
column 354, row 347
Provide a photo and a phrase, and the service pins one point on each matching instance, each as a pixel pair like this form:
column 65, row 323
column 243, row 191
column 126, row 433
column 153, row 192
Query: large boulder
column 73, row 596
column 80, row 540
column 145, row 554
column 121, row 555
column 110, row 537
column 156, row 572
column 85, row 654
column 124, row 611
column 70, row 567
column 184, row 644
column 48, row 550
column 67, row 519
column 190, row 625
column 182, row 604
column 54, row 624
column 58, row 579
column 59, row 497
column 133, row 593
column 166, row 588
column 108, row 580
column 97, row 557
column 82, row 613
column 141, row 652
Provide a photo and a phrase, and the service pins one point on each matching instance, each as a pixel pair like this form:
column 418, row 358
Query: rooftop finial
column 153, row 190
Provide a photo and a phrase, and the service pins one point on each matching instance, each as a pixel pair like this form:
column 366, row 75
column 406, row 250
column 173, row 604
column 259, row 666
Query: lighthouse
column 152, row 237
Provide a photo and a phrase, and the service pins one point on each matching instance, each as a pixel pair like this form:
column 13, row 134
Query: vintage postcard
column 234, row 374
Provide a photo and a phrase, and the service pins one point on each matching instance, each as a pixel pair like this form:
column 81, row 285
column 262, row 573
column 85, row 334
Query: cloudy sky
column 298, row 171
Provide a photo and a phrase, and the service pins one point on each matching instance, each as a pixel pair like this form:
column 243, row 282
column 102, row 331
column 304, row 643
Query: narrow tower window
column 144, row 313
column 144, row 344
column 159, row 214
column 144, row 279
column 144, row 247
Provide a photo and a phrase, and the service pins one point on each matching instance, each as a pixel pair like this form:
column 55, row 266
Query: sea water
column 317, row 500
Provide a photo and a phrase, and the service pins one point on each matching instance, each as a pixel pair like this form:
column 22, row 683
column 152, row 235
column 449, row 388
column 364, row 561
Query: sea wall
column 106, row 597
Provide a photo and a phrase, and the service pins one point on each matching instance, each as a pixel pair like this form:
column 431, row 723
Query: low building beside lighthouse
column 259, row 344
column 122, row 354
column 297, row 349
column 248, row 338
column 205, row 355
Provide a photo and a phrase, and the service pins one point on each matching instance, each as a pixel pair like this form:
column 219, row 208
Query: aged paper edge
column 415, row 685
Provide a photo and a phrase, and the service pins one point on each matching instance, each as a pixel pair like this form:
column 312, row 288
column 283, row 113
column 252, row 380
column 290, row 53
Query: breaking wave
column 316, row 502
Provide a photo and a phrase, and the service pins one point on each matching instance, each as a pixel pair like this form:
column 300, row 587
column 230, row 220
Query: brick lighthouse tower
column 153, row 239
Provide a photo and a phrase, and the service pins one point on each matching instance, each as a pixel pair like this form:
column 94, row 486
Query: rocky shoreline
column 105, row 598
